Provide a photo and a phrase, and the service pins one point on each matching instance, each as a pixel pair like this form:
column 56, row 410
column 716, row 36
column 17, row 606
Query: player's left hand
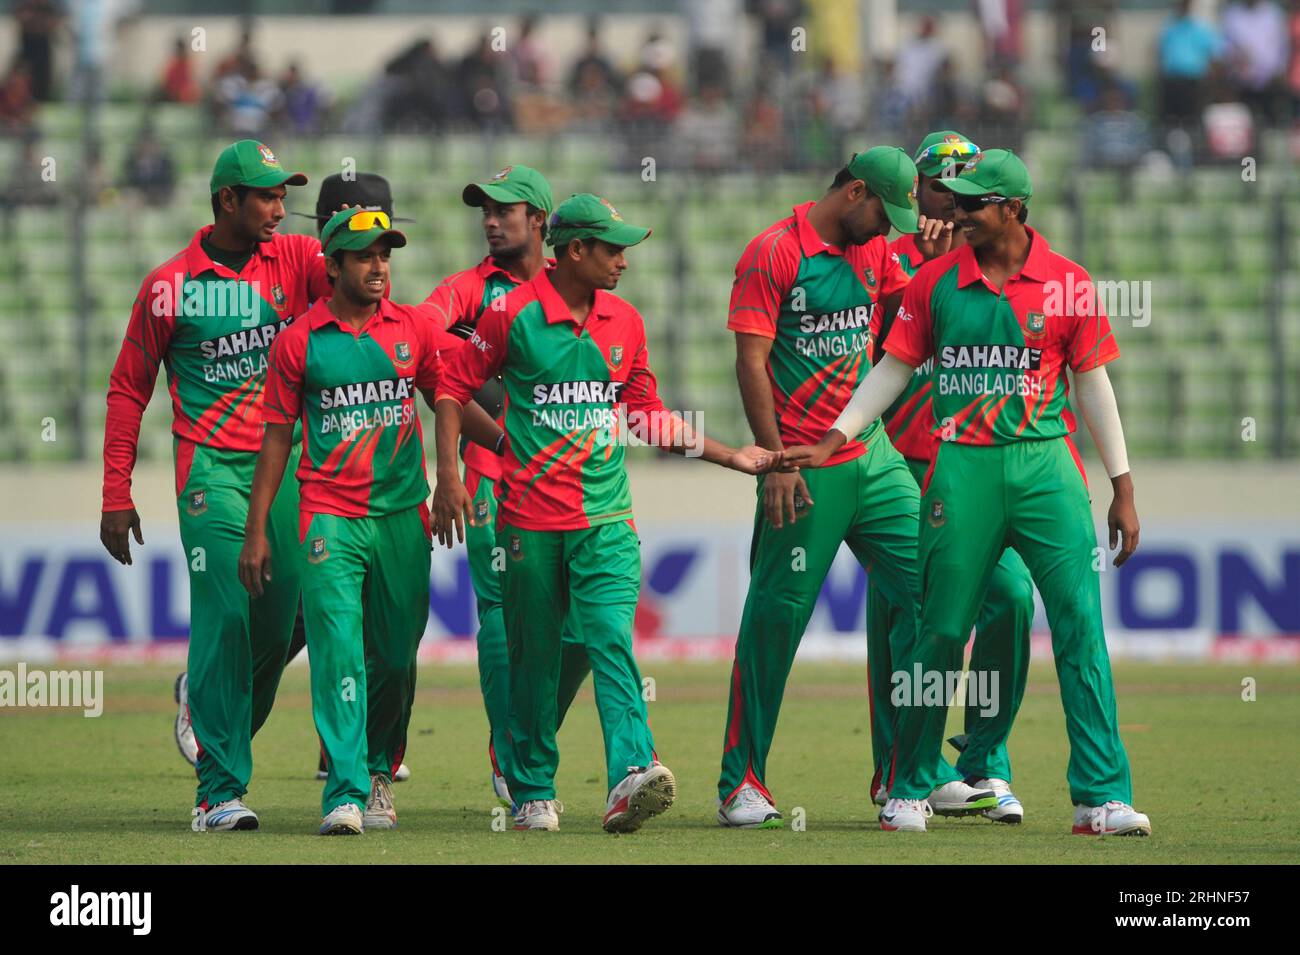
column 1123, row 520
column 255, row 563
column 933, row 237
column 752, row 459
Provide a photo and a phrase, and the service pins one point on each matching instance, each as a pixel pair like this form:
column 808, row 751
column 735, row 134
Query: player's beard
column 511, row 253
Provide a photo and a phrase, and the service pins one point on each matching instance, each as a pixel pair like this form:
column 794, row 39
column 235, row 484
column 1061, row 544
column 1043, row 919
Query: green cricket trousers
column 1029, row 495
column 238, row 646
column 365, row 600
column 588, row 580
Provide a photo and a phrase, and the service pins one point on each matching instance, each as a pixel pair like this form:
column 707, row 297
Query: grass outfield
column 1216, row 775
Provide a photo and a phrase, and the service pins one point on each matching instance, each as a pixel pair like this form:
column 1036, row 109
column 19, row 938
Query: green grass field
column 1215, row 773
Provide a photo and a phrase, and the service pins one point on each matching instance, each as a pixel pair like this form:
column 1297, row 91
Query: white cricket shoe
column 749, row 809
column 1008, row 809
column 501, row 790
column 380, row 813
column 1115, row 818
column 543, row 814
column 184, row 730
column 642, row 793
column 958, row 799
column 229, row 816
column 344, row 820
column 403, row 773
column 905, row 815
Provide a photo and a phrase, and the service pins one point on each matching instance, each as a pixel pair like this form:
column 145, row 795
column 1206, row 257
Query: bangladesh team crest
column 278, row 297
column 198, row 503
column 317, row 550
column 402, row 351
column 268, row 157
column 516, row 547
column 1036, row 324
column 937, row 518
column 504, row 173
column 615, row 356
column 870, row 275
column 481, row 511
column 613, row 213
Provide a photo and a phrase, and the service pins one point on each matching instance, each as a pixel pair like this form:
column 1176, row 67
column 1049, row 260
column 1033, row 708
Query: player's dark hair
column 240, row 193
column 337, row 255
column 1023, row 214
column 842, row 178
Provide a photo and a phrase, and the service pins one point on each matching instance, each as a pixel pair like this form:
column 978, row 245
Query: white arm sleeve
column 883, row 384
column 1096, row 400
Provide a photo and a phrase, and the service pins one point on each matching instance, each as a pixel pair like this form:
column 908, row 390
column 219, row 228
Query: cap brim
column 267, row 180
column 476, row 192
column 356, row 241
column 903, row 218
column 964, row 187
column 624, row 235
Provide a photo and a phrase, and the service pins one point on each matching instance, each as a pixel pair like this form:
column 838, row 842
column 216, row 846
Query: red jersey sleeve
column 764, row 275
column 311, row 266
column 285, row 372
column 454, row 300
column 911, row 336
column 1091, row 343
column 436, row 346
column 131, row 384
column 477, row 359
column 653, row 422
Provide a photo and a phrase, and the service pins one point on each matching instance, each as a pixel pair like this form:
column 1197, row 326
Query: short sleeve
column 282, row 400
column 1091, row 343
column 764, row 276
column 911, row 337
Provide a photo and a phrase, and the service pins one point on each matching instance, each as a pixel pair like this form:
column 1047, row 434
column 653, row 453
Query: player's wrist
column 1122, row 485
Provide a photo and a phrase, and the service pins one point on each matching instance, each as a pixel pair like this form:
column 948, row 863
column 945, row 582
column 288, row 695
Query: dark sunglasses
column 976, row 203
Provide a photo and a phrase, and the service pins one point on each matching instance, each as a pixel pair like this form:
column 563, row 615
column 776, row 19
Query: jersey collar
column 320, row 315
column 488, row 267
column 554, row 307
column 1037, row 265
column 197, row 261
column 809, row 241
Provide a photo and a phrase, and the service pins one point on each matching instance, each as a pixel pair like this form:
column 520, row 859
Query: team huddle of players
column 967, row 495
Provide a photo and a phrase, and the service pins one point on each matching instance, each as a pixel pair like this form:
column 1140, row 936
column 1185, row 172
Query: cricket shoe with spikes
column 905, row 815
column 643, row 793
column 958, row 799
column 1008, row 809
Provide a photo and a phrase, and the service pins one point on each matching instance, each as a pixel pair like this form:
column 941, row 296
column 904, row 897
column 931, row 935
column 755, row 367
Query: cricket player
column 1005, row 618
column 516, row 203
column 801, row 307
column 995, row 316
column 210, row 314
column 362, row 190
column 570, row 355
column 350, row 368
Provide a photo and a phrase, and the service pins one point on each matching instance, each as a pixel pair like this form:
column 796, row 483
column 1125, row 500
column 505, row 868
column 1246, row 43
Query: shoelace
column 752, row 798
column 917, row 805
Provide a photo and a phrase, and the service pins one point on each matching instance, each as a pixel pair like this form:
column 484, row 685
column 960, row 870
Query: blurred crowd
column 1213, row 84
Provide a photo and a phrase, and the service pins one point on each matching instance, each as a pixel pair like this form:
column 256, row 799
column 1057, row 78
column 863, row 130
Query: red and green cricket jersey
column 461, row 299
column 354, row 389
column 1000, row 356
column 910, row 419
column 564, row 384
column 815, row 302
column 213, row 330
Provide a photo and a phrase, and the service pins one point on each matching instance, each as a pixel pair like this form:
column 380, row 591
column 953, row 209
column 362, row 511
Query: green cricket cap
column 584, row 216
column 889, row 173
column 512, row 184
column 339, row 232
column 942, row 149
column 250, row 163
column 997, row 172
